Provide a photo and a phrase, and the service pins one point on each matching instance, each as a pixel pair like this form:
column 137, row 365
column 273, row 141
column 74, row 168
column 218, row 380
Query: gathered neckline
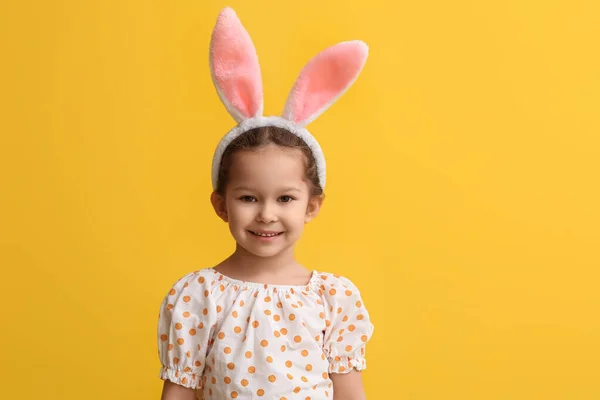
column 259, row 285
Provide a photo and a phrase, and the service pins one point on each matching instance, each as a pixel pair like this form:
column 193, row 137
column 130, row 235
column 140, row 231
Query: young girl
column 259, row 325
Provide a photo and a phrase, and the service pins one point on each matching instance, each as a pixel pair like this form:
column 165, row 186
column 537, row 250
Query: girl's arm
column 348, row 386
column 172, row 391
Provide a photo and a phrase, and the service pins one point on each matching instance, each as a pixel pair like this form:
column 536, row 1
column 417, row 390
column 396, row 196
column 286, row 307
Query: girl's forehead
column 268, row 167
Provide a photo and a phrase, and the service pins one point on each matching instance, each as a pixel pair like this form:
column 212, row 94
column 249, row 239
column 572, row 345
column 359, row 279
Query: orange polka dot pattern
column 232, row 339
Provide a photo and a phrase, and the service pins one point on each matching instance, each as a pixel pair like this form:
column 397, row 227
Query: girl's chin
column 262, row 248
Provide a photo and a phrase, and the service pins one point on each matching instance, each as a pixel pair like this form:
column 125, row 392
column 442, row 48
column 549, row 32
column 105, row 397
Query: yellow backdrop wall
column 462, row 188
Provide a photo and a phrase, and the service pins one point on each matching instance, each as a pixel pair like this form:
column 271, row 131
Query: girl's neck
column 279, row 269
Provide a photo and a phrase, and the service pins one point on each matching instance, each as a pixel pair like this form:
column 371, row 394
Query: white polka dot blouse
column 228, row 338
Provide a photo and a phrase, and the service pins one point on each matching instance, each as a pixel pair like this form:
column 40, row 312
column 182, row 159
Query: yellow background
column 462, row 189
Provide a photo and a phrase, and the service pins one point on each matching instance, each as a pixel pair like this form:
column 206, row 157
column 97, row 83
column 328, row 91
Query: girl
column 298, row 334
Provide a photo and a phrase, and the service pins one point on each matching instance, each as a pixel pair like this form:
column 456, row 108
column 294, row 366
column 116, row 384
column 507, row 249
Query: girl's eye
column 285, row 199
column 248, row 199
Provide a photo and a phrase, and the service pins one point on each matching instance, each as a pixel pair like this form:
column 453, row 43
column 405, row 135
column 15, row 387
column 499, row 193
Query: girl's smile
column 266, row 236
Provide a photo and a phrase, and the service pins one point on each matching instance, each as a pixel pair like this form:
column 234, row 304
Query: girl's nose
column 267, row 213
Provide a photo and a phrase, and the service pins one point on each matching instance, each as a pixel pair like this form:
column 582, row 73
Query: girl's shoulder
column 196, row 281
column 337, row 291
column 204, row 276
column 334, row 282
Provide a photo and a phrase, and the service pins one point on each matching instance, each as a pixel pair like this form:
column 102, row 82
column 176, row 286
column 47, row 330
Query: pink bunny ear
column 234, row 67
column 324, row 79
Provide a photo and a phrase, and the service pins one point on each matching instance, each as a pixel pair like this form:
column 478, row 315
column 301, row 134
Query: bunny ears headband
column 236, row 75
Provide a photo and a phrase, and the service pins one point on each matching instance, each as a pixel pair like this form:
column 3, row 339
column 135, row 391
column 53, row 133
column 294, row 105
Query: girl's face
column 267, row 200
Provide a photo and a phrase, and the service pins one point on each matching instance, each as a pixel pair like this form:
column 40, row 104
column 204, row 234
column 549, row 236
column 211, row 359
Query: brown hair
column 260, row 137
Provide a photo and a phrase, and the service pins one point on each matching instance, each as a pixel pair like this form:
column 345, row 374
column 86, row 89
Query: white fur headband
column 236, row 75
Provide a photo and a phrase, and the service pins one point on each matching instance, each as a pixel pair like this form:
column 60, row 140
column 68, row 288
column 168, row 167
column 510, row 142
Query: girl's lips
column 266, row 234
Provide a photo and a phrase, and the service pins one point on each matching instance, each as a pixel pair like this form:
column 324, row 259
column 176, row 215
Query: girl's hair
column 263, row 136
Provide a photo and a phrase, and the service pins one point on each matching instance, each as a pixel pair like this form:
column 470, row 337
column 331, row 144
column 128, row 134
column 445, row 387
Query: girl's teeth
column 266, row 234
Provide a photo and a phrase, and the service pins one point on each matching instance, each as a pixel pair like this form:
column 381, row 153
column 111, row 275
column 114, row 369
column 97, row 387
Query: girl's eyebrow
column 286, row 189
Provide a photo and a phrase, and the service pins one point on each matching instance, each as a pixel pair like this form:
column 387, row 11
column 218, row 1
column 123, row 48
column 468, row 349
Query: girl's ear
column 219, row 205
column 313, row 208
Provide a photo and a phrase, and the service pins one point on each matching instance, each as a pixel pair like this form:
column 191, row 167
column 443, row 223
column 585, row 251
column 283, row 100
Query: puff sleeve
column 348, row 326
column 185, row 325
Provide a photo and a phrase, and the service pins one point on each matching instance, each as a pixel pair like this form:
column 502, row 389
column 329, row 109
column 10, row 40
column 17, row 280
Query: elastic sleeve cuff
column 185, row 379
column 343, row 365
